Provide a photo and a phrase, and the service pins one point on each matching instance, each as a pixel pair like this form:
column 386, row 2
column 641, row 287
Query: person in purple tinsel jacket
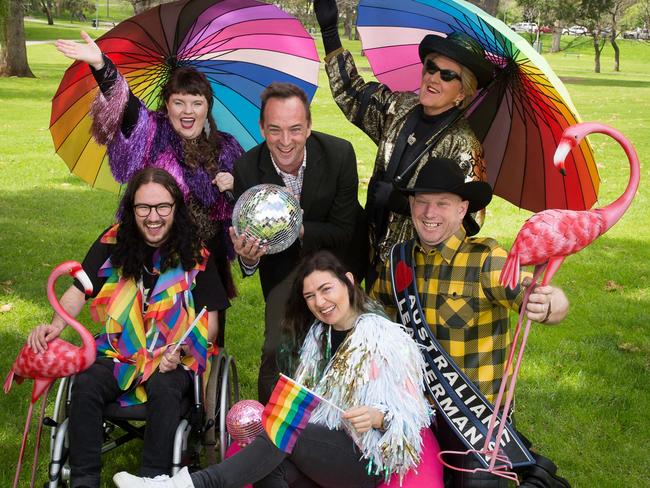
column 181, row 137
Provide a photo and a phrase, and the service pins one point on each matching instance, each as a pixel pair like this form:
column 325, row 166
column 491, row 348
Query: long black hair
column 298, row 318
column 182, row 245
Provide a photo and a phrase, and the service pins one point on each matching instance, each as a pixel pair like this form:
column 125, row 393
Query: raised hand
column 87, row 51
column 327, row 14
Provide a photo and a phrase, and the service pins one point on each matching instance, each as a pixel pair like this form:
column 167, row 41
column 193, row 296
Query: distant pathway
column 107, row 26
column 79, row 25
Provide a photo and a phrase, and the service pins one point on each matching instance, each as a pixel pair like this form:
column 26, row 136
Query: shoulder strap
column 457, row 398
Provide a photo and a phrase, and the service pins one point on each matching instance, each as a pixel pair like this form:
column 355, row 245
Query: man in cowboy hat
column 456, row 278
column 409, row 128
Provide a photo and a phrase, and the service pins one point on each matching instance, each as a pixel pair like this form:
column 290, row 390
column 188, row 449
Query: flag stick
column 189, row 329
column 312, row 392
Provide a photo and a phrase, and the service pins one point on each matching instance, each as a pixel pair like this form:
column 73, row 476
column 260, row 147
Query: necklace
column 150, row 273
column 328, row 345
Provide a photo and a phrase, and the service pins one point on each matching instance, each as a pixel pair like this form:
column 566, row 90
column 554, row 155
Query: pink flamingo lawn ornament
column 544, row 241
column 59, row 359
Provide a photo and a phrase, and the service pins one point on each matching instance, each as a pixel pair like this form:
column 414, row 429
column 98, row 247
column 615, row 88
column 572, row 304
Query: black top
column 336, row 338
column 208, row 291
column 427, row 126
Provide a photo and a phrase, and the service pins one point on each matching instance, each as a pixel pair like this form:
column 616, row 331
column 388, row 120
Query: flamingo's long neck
column 87, row 339
column 615, row 210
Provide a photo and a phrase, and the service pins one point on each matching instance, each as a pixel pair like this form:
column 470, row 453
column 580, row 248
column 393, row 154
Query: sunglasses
column 445, row 74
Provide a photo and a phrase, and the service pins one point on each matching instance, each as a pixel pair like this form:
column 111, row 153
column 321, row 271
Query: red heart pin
column 403, row 276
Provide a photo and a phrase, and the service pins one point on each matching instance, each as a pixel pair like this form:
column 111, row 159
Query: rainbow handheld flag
column 288, row 412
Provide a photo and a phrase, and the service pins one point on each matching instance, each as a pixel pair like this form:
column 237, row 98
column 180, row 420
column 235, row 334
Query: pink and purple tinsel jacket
column 152, row 141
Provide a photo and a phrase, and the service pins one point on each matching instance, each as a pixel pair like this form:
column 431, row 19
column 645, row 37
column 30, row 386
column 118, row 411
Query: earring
column 458, row 102
column 206, row 127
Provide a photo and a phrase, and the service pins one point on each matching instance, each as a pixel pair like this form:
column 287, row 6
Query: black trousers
column 95, row 388
column 321, row 458
column 276, row 302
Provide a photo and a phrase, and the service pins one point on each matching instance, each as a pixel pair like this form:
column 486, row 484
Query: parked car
column 576, row 30
column 638, row 33
column 546, row 29
column 524, row 27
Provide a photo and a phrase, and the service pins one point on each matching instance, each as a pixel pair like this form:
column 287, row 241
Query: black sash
column 457, row 398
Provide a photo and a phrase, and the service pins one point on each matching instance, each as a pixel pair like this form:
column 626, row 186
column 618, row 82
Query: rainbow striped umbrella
column 241, row 46
column 519, row 117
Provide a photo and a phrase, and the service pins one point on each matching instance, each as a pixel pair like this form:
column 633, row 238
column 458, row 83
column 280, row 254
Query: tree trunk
column 596, row 54
column 13, row 52
column 348, row 23
column 46, row 6
column 557, row 35
column 142, row 5
column 617, row 51
column 618, row 7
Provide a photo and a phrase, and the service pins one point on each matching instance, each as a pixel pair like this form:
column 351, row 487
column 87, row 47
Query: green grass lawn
column 583, row 391
column 37, row 31
column 107, row 11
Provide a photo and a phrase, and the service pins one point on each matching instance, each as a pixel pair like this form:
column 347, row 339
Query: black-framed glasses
column 445, row 74
column 162, row 209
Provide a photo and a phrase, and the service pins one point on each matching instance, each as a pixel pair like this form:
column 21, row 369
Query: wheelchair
column 202, row 430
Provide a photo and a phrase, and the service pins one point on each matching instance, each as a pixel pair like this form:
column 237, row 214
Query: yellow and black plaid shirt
column 464, row 304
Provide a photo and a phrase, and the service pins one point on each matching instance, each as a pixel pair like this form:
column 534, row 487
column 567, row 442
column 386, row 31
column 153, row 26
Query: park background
column 583, row 393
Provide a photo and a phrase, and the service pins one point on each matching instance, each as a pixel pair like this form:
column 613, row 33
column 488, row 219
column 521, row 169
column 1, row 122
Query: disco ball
column 244, row 421
column 270, row 213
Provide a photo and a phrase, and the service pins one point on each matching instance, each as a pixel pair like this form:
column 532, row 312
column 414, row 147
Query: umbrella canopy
column 519, row 118
column 240, row 45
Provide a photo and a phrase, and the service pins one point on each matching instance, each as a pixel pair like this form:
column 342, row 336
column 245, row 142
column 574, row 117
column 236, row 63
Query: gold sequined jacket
column 382, row 114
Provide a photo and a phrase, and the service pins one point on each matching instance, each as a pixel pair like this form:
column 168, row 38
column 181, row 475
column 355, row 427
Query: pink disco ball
column 244, row 421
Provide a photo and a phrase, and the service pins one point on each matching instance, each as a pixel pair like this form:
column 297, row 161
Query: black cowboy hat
column 461, row 48
column 442, row 175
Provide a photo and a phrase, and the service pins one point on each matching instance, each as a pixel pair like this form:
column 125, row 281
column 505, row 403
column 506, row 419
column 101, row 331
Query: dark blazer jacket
column 332, row 216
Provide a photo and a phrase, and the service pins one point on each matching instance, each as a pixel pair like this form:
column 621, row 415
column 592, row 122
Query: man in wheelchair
column 151, row 278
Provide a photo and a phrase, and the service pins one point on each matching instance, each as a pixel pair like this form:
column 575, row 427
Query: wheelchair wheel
column 229, row 395
column 58, row 470
column 221, row 393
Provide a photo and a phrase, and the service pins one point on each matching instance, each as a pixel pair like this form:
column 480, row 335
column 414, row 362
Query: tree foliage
column 595, row 15
column 301, row 9
column 637, row 15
